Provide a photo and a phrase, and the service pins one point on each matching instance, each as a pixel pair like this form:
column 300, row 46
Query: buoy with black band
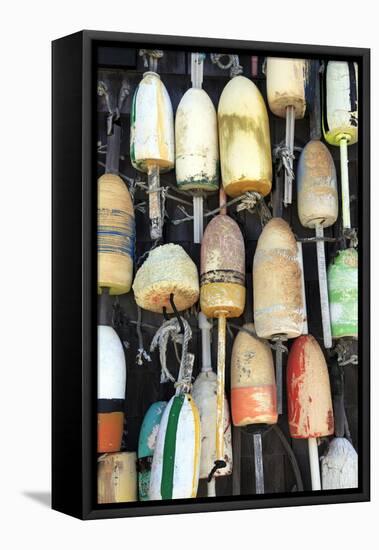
column 152, row 147
column 340, row 118
column 310, row 410
column 116, row 478
column 204, row 392
column 196, row 144
column 146, row 446
column 286, row 81
column 222, row 295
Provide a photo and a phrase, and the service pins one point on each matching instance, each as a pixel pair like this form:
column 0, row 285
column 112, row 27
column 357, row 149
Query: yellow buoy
column 244, row 134
column 116, row 478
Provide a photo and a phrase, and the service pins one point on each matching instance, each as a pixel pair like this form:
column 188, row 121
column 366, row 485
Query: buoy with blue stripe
column 152, row 148
column 340, row 118
column 343, row 294
column 116, row 478
column 115, row 218
column 146, row 446
column 244, row 135
column 317, row 206
column 196, row 144
column 176, row 460
column 204, row 392
column 286, row 81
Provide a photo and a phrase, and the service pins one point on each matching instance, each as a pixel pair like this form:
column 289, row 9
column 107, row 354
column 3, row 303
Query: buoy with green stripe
column 176, row 460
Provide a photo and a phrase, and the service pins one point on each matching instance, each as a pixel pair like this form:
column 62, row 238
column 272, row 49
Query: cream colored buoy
column 196, row 144
column 252, row 381
column 340, row 118
column 244, row 134
column 152, row 140
column 111, row 383
column 286, row 81
column 317, row 206
column 116, row 478
column 167, row 270
column 278, row 304
column 115, row 235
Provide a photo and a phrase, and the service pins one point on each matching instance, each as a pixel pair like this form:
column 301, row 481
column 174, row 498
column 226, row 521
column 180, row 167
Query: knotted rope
column 344, row 354
column 284, row 156
column 170, row 330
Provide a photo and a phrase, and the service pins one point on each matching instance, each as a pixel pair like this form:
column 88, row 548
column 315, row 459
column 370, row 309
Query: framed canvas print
column 210, row 275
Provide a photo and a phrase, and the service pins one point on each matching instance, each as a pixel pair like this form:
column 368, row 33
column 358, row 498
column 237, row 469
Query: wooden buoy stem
column 155, row 213
column 323, row 285
column 258, row 462
column 205, row 327
column 220, row 387
column 314, row 464
column 290, row 137
column 222, row 201
column 345, row 183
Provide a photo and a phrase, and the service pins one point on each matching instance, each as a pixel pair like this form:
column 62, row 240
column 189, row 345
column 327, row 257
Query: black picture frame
column 74, row 271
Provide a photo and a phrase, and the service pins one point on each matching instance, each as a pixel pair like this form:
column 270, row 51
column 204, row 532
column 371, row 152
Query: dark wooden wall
column 143, row 386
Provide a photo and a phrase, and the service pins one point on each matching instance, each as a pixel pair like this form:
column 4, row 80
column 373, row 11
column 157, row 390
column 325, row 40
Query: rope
column 171, row 330
column 141, row 353
column 233, row 63
column 283, row 156
column 150, row 58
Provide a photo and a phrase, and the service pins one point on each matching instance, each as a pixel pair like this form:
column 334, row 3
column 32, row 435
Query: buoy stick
column 205, row 327
column 279, row 375
column 220, row 388
column 155, row 213
column 301, row 263
column 345, row 184
column 197, row 81
column 314, row 464
column 112, row 159
column 290, row 137
column 258, row 462
column 324, row 298
column 211, row 487
column 236, row 440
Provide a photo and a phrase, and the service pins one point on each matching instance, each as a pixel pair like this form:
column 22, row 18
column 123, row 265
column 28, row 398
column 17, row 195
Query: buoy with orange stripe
column 176, row 460
column 111, row 382
column 116, row 478
column 310, row 410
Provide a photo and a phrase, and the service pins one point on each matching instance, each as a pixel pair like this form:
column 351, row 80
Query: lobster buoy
column 277, row 285
column 317, row 208
column 152, row 141
column 343, row 294
column 146, row 446
column 116, row 478
column 167, row 270
column 317, row 202
column 152, row 126
column 196, row 142
column 176, row 460
column 286, row 85
column 244, row 134
column 310, row 411
column 115, row 235
column 340, row 113
column 252, row 380
column 204, row 393
column 339, row 466
column 111, row 383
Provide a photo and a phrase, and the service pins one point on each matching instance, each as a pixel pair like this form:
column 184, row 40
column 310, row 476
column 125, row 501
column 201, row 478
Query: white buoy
column 339, row 466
